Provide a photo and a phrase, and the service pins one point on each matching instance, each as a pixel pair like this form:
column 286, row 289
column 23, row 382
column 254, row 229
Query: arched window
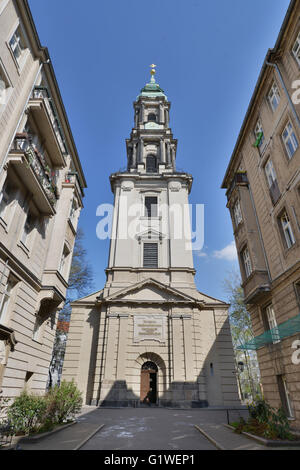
column 152, row 117
column 151, row 164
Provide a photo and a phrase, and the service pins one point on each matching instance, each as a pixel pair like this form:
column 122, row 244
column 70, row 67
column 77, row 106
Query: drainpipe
column 286, row 91
column 22, row 113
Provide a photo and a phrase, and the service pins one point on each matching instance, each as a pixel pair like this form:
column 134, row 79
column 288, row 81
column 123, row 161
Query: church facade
column 150, row 337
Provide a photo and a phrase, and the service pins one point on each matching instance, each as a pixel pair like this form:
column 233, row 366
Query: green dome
column 152, row 90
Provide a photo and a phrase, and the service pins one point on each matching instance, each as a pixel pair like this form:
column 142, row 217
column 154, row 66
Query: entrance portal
column 149, row 383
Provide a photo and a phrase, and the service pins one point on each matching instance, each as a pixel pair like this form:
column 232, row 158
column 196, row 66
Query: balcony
column 256, row 286
column 34, row 173
column 239, row 178
column 42, row 108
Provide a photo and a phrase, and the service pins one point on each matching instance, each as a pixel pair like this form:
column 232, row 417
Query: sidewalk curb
column 215, row 443
column 38, row 437
column 78, row 447
column 266, row 442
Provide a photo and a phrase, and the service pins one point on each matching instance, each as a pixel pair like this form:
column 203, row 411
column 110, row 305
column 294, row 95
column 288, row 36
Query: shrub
column 266, row 421
column 64, row 402
column 31, row 413
column 26, row 413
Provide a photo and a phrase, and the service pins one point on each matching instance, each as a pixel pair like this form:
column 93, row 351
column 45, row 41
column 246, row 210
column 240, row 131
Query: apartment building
column 41, row 191
column 263, row 191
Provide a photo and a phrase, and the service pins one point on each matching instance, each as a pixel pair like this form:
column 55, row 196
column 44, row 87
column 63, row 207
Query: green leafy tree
column 242, row 332
column 80, row 284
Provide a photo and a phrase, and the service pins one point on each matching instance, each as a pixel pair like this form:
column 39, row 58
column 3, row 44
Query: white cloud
column 200, row 254
column 228, row 253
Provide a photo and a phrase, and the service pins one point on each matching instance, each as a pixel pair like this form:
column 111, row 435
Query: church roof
column 152, row 89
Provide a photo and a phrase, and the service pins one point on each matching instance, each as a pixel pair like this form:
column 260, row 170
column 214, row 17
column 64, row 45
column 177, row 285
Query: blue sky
column 209, row 55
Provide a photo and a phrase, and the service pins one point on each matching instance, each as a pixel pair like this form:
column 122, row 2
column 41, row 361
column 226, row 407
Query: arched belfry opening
column 151, row 164
column 149, row 383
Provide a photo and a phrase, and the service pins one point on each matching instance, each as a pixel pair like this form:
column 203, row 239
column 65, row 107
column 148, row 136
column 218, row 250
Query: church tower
column 149, row 337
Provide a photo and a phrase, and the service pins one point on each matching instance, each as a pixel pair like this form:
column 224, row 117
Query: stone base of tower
column 152, row 345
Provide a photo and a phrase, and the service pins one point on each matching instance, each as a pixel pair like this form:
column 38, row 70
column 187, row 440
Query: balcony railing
column 280, row 332
column 43, row 93
column 36, row 161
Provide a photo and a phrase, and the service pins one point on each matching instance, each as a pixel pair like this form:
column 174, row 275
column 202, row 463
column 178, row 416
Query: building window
column 259, row 134
column 5, row 86
column 28, row 229
column 247, row 262
column 290, row 140
column 151, row 207
column 64, row 261
column 272, row 181
column 272, row 324
column 287, row 231
column 6, row 197
column 152, row 117
column 151, row 164
column 237, row 213
column 17, row 44
column 5, row 300
column 296, row 50
column 274, row 97
column 284, row 396
column 73, row 211
column 150, row 255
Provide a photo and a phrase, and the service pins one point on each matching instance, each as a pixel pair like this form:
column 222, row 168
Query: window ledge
column 72, row 226
column 24, row 248
column 4, row 224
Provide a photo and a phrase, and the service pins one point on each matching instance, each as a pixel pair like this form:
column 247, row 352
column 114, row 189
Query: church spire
column 151, row 147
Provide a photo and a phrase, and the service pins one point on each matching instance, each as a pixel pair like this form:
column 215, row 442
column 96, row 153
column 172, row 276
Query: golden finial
column 153, row 67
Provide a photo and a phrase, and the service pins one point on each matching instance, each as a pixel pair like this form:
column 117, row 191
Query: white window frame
column 6, row 300
column 296, row 49
column 247, row 262
column 5, row 196
column 274, row 96
column 270, row 172
column 290, row 140
column 272, row 322
column 237, row 213
column 65, row 261
column 17, row 44
column 287, row 230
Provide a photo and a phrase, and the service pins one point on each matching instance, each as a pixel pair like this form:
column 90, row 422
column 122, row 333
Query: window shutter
column 150, row 255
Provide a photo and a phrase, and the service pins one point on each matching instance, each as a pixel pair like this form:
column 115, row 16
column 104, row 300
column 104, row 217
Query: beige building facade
column 263, row 191
column 149, row 337
column 41, row 192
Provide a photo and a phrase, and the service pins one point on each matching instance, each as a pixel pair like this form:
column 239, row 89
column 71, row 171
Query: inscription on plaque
column 149, row 327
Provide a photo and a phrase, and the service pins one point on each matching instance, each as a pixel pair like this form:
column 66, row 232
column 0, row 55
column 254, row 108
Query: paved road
column 148, row 429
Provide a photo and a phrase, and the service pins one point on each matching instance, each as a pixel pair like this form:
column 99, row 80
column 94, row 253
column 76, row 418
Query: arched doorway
column 149, row 383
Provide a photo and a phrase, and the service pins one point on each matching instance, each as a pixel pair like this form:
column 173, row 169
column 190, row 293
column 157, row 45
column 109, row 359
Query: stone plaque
column 149, row 327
